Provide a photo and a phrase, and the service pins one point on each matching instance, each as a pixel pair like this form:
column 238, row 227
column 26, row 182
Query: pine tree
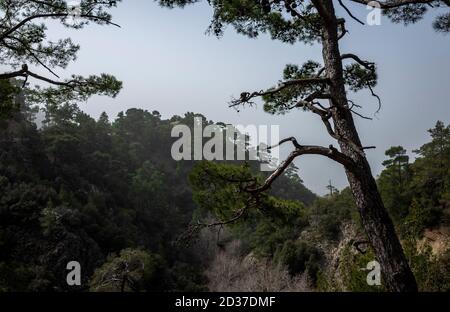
column 24, row 46
column 322, row 89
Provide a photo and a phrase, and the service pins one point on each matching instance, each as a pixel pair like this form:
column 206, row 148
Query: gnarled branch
column 329, row 152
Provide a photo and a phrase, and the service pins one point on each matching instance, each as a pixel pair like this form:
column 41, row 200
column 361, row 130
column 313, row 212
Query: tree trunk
column 397, row 275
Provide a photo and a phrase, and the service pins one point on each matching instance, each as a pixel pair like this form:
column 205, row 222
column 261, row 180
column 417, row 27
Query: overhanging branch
column 330, row 152
column 25, row 73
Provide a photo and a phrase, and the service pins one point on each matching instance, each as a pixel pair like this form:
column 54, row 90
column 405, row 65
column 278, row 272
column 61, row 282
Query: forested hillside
column 106, row 193
column 100, row 192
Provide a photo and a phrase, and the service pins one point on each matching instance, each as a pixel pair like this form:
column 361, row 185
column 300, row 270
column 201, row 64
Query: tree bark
column 397, row 275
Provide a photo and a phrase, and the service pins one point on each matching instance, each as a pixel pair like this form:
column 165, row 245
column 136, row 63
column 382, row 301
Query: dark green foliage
column 417, row 196
column 252, row 18
column 131, row 270
column 292, row 95
column 442, row 23
column 264, row 222
column 281, row 102
column 394, row 181
column 358, row 77
column 352, row 270
column 175, row 3
column 81, row 189
column 418, row 193
column 214, row 192
column 290, row 186
column 408, row 14
column 103, row 84
column 24, row 44
column 8, row 103
column 300, row 257
column 330, row 212
column 412, row 13
column 85, row 190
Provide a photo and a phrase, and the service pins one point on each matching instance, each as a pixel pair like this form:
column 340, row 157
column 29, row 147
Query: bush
column 299, row 257
column 132, row 270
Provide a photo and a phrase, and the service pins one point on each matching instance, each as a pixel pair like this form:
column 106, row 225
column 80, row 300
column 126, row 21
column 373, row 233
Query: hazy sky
column 167, row 63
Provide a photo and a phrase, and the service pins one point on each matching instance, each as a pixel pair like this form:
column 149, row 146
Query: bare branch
column 325, row 115
column 194, row 229
column 360, row 115
column 291, row 139
column 353, row 104
column 367, row 65
column 377, row 97
column 350, row 13
column 329, row 152
column 238, row 215
column 19, row 73
column 24, row 72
